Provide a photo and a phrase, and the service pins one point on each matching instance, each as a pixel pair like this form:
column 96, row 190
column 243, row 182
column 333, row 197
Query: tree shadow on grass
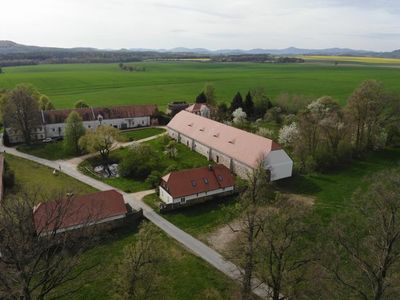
column 298, row 184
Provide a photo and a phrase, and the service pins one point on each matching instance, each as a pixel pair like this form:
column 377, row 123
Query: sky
column 213, row 24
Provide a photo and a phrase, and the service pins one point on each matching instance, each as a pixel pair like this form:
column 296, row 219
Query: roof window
column 193, row 183
column 205, row 180
column 220, row 178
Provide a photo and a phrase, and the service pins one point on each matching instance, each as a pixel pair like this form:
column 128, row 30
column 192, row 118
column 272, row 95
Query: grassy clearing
column 50, row 151
column 198, row 219
column 184, row 276
column 30, row 176
column 186, row 159
column 332, row 190
column 106, row 84
column 356, row 59
column 139, row 134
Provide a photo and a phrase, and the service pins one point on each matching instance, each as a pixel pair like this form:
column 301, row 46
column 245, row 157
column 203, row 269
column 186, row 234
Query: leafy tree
column 45, row 103
column 248, row 105
column 80, row 104
column 100, row 140
column 367, row 108
column 201, row 98
column 21, row 110
column 209, row 92
column 139, row 270
column 154, row 179
column 261, row 102
column 171, row 149
column 74, row 130
column 237, row 102
column 138, row 162
column 363, row 257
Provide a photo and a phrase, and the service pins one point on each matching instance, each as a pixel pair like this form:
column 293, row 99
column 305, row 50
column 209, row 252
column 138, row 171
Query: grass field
column 184, row 276
column 30, row 176
column 198, row 219
column 135, row 135
column 354, row 59
column 105, row 84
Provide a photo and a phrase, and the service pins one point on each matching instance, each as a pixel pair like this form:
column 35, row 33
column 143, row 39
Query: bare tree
column 140, row 268
column 256, row 193
column 37, row 259
column 283, row 250
column 21, row 112
column 364, row 255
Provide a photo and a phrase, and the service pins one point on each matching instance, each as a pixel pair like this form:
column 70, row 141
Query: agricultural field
column 353, row 59
column 162, row 82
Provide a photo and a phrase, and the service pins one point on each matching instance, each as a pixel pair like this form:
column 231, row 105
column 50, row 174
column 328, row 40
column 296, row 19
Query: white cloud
column 368, row 24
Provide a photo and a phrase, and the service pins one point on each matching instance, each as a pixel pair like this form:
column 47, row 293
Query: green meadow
column 162, row 82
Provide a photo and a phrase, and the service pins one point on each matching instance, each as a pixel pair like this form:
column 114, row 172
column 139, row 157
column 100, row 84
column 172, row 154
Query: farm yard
column 163, row 82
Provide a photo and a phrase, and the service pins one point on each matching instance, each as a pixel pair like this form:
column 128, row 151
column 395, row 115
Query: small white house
column 195, row 185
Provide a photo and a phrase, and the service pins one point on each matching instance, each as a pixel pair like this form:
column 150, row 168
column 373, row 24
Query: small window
column 54, row 129
column 89, row 126
column 220, row 178
column 205, row 180
column 183, row 200
column 194, row 183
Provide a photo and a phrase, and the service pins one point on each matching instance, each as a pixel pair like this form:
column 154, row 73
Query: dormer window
column 202, row 129
column 232, row 141
column 100, row 118
column 216, row 135
column 190, row 124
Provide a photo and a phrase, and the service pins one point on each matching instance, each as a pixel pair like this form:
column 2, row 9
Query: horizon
column 254, row 24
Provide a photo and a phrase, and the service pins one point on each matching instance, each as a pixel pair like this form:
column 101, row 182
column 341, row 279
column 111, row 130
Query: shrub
column 154, row 179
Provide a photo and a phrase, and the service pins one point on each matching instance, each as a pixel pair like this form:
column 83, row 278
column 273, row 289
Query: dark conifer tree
column 201, row 98
column 237, row 102
column 248, row 106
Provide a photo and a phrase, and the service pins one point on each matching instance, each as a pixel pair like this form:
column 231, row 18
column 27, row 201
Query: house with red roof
column 240, row 151
column 191, row 186
column 200, row 109
column 51, row 123
column 75, row 212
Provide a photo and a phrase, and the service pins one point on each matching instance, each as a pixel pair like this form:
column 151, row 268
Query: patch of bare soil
column 220, row 238
column 306, row 200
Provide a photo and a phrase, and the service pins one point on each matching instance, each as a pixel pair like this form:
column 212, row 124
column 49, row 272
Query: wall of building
column 221, row 158
column 240, row 169
column 202, row 149
column 167, row 198
column 164, row 196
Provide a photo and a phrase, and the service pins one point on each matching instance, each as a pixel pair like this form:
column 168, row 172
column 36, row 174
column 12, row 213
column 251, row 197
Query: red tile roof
column 188, row 182
column 89, row 114
column 78, row 210
column 241, row 145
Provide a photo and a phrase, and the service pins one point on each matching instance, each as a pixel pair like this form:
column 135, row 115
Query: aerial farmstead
column 238, row 150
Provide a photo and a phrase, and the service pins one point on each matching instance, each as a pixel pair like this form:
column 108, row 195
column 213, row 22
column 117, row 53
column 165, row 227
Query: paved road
column 135, row 200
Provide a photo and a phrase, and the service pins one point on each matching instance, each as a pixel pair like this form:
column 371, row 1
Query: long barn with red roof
column 238, row 150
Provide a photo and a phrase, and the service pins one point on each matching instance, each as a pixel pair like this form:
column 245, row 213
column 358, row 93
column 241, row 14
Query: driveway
column 135, row 200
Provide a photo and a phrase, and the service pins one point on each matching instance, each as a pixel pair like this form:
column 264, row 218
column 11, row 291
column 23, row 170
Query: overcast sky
column 213, row 24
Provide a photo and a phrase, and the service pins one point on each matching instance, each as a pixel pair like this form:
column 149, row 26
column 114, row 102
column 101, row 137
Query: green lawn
column 106, row 84
column 32, row 177
column 139, row 134
column 332, row 190
column 198, row 219
column 50, row 151
column 184, row 276
column 186, row 159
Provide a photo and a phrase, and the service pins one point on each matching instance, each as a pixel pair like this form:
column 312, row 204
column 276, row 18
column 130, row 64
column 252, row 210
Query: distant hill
column 9, row 47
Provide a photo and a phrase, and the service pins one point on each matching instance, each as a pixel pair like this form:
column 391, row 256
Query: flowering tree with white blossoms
column 239, row 116
column 288, row 134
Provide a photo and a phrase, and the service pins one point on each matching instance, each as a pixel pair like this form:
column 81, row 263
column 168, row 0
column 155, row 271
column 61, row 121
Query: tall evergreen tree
column 248, row 105
column 237, row 102
column 201, row 98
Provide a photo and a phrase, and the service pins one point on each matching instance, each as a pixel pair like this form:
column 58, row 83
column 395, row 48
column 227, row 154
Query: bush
column 154, row 179
column 8, row 176
column 274, row 114
column 138, row 162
